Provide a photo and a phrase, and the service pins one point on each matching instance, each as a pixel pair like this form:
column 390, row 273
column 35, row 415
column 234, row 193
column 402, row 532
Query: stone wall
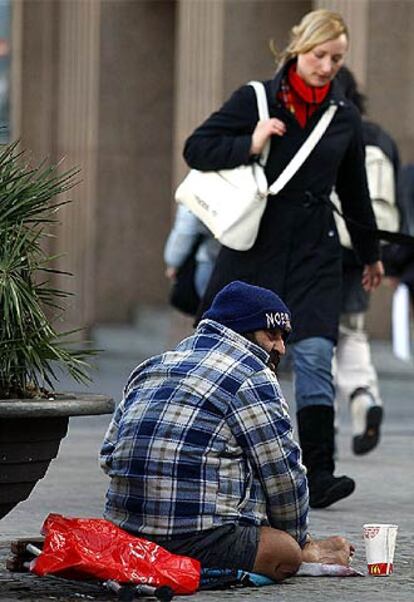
column 116, row 86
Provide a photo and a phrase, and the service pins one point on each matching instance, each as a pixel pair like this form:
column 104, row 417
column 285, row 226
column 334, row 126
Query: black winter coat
column 297, row 252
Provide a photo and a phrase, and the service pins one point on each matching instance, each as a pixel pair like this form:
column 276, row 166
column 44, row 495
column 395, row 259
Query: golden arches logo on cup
column 381, row 568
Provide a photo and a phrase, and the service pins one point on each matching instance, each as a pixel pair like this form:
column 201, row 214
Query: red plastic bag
column 94, row 548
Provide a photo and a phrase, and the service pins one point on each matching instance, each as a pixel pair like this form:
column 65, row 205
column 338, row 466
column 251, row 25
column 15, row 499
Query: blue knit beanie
column 246, row 308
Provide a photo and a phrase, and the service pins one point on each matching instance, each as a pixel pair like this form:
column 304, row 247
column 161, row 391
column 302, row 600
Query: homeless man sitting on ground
column 200, row 450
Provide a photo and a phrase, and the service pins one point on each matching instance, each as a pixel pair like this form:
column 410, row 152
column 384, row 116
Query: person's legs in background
column 357, row 382
column 314, row 391
column 206, row 258
column 202, row 276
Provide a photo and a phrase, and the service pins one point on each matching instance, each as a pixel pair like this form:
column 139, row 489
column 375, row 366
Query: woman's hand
column 333, row 550
column 372, row 275
column 171, row 272
column 262, row 132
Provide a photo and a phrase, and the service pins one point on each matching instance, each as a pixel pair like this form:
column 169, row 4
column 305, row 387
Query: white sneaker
column 366, row 421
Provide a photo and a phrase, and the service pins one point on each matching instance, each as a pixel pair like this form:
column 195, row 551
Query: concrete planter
column 30, row 434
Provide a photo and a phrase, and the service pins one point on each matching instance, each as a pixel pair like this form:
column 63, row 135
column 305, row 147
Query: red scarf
column 299, row 98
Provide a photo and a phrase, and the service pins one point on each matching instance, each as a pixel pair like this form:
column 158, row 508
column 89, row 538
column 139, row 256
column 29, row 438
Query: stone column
column 355, row 14
column 76, row 142
column 135, row 155
column 391, row 64
column 199, row 69
column 198, row 87
column 16, row 69
column 34, row 68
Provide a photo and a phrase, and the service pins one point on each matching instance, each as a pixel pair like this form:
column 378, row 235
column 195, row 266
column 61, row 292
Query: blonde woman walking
column 297, row 252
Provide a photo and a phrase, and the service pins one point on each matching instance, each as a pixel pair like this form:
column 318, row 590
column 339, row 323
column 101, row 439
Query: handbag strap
column 385, row 235
column 262, row 107
column 305, row 150
column 263, row 110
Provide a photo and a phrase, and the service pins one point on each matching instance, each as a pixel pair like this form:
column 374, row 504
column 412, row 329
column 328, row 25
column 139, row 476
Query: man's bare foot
column 333, row 550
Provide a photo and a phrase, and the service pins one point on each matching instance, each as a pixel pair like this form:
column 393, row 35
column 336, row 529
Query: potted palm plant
column 33, row 417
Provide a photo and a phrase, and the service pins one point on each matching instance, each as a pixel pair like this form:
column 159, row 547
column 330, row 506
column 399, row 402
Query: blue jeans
column 312, row 366
column 202, row 276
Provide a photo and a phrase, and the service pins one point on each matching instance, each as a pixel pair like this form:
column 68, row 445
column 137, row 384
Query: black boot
column 317, row 439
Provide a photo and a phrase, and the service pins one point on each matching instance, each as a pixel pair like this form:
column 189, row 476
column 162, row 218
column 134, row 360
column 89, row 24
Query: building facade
column 115, row 86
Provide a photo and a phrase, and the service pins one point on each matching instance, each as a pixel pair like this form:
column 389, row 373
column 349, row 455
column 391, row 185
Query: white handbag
column 231, row 202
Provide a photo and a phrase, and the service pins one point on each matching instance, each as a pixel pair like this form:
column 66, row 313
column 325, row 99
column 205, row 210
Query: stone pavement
column 75, row 486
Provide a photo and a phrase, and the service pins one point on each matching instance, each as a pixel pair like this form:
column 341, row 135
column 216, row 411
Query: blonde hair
column 317, row 27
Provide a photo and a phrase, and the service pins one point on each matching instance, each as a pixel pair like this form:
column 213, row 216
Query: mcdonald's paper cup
column 379, row 547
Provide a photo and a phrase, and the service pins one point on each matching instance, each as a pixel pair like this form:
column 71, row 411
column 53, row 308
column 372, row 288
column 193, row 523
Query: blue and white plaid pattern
column 201, row 438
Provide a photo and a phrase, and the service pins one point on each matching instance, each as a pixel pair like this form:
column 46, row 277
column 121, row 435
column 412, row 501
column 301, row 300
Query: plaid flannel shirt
column 202, row 438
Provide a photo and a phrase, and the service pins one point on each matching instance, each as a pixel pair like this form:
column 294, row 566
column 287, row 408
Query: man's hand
column 372, row 275
column 333, row 550
column 262, row 132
